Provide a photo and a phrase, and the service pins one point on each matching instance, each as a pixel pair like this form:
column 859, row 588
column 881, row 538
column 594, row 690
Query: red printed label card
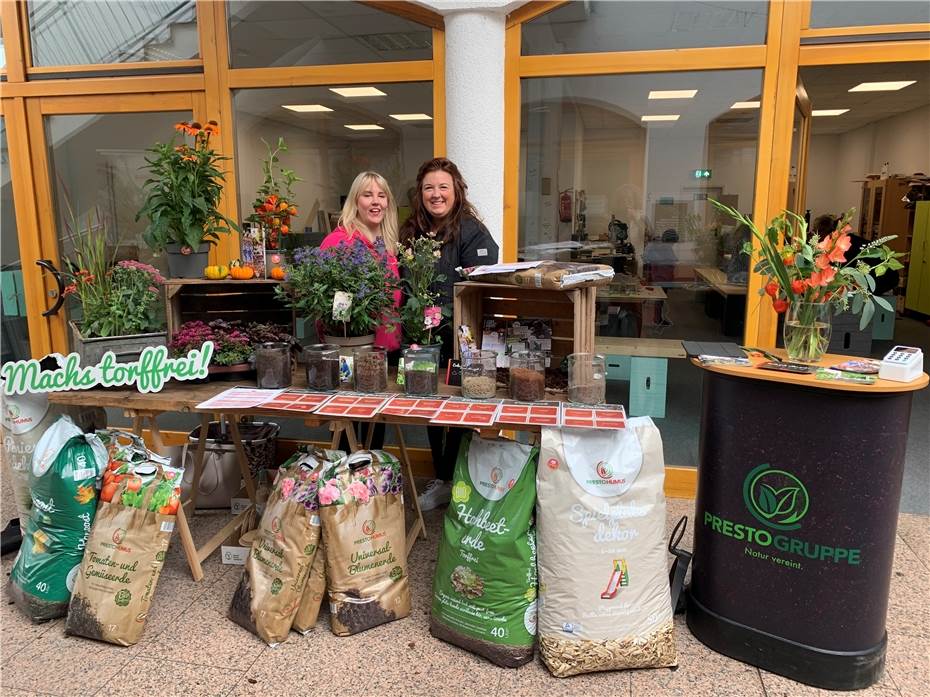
column 425, row 408
column 529, row 413
column 354, row 405
column 607, row 416
column 466, row 412
column 296, row 400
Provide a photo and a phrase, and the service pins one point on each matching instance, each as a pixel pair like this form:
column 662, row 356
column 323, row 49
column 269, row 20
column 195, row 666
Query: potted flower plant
column 119, row 301
column 232, row 346
column 809, row 278
column 274, row 202
column 344, row 288
column 182, row 195
column 420, row 316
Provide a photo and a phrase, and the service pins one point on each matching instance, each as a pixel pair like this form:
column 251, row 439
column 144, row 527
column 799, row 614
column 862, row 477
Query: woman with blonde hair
column 369, row 215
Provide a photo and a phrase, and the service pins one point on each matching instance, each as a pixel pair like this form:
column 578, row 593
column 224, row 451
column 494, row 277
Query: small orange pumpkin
column 240, row 272
column 277, row 273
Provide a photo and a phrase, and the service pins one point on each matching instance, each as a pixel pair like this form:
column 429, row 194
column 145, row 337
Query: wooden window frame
column 779, row 58
column 25, row 100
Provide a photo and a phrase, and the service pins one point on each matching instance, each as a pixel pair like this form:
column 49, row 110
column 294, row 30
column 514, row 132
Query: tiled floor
column 189, row 647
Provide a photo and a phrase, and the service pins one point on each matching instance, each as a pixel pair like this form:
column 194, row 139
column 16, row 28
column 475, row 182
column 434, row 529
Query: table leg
column 198, row 461
column 187, row 544
column 233, row 420
column 336, row 428
column 419, row 527
column 369, row 435
column 349, row 428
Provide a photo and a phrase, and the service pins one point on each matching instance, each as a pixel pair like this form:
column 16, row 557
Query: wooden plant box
column 126, row 349
column 254, row 300
column 570, row 311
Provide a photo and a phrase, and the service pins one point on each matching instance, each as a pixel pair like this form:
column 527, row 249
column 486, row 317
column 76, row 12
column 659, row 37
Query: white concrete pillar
column 475, row 107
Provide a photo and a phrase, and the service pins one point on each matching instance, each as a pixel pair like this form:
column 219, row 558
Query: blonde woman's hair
column 349, row 216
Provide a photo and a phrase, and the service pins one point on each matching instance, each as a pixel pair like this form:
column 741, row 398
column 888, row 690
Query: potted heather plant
column 810, row 278
column 119, row 302
column 232, row 346
column 182, row 197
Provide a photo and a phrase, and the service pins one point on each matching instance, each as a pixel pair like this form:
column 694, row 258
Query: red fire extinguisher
column 565, row 206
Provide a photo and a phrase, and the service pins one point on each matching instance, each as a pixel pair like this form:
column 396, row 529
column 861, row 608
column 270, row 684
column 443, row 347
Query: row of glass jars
column 586, row 373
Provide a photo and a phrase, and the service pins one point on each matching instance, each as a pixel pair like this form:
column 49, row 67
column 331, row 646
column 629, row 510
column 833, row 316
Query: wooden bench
column 644, row 362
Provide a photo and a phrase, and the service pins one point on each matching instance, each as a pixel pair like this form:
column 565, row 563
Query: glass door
column 14, row 330
column 93, row 153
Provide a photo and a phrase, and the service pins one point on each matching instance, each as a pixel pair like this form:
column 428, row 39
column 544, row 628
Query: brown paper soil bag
column 604, row 599
column 312, row 599
column 549, row 275
column 124, row 558
column 269, row 594
column 362, row 510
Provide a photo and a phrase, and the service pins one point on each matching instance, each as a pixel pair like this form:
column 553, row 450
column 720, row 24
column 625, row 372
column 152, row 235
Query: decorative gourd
column 277, row 273
column 217, row 272
column 240, row 272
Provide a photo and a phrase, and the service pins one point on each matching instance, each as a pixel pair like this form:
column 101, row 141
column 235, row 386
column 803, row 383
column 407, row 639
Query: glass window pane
column 263, row 34
column 830, row 13
column 95, row 162
column 112, row 31
column 14, row 344
column 590, row 27
column 327, row 154
column 600, row 183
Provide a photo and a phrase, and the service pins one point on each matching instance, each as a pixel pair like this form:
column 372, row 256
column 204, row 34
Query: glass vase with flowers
column 809, row 277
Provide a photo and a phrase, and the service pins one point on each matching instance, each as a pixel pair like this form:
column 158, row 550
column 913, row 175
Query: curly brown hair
column 421, row 222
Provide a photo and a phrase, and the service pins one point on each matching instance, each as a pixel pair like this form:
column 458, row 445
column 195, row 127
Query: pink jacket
column 384, row 338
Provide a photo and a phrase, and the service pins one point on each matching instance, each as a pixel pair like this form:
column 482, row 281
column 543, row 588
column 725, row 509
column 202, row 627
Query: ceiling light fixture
column 828, row 112
column 672, row 94
column 306, row 108
column 661, row 117
column 364, row 127
column 746, row 105
column 358, row 91
column 411, row 117
column 891, row 86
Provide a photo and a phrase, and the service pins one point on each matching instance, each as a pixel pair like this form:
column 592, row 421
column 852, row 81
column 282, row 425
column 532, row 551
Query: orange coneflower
column 181, row 126
column 211, row 128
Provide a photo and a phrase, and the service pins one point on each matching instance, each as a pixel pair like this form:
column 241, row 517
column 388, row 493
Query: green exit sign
column 701, row 173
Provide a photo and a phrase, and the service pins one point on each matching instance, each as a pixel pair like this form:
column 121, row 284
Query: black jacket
column 472, row 246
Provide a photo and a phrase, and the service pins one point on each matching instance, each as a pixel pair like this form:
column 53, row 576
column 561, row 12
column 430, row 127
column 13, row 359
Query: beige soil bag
column 117, row 578
column 362, row 509
column 604, row 599
column 272, row 584
column 312, row 599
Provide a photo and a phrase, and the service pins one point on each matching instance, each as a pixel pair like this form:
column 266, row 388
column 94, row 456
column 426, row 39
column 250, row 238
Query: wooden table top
column 809, row 380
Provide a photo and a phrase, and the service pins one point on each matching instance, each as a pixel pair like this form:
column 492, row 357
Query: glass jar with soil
column 370, row 369
column 479, row 374
column 527, row 376
column 587, row 378
column 322, row 367
column 273, row 365
column 421, row 372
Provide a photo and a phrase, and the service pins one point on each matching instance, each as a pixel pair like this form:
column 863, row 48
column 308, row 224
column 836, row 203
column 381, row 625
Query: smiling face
column 438, row 194
column 372, row 203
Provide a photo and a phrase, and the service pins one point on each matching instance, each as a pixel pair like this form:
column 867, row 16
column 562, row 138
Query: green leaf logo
column 775, row 497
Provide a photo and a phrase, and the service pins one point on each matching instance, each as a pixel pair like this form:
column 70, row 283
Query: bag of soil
column 312, row 599
column 62, row 488
column 272, row 585
column 484, row 590
column 124, row 557
column 362, row 509
column 604, row 599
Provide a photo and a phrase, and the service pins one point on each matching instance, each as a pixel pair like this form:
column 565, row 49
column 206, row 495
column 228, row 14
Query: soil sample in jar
column 527, row 385
column 421, row 372
column 479, row 373
column 323, row 367
column 587, row 378
column 527, row 376
column 478, row 387
column 370, row 371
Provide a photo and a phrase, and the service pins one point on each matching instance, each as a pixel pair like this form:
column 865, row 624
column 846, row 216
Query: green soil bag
column 484, row 590
column 62, row 478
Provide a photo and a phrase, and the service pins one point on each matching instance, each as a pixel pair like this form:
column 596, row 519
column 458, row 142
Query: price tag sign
column 234, row 555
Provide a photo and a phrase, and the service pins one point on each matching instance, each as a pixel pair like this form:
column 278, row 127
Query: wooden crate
column 571, row 312
column 189, row 299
